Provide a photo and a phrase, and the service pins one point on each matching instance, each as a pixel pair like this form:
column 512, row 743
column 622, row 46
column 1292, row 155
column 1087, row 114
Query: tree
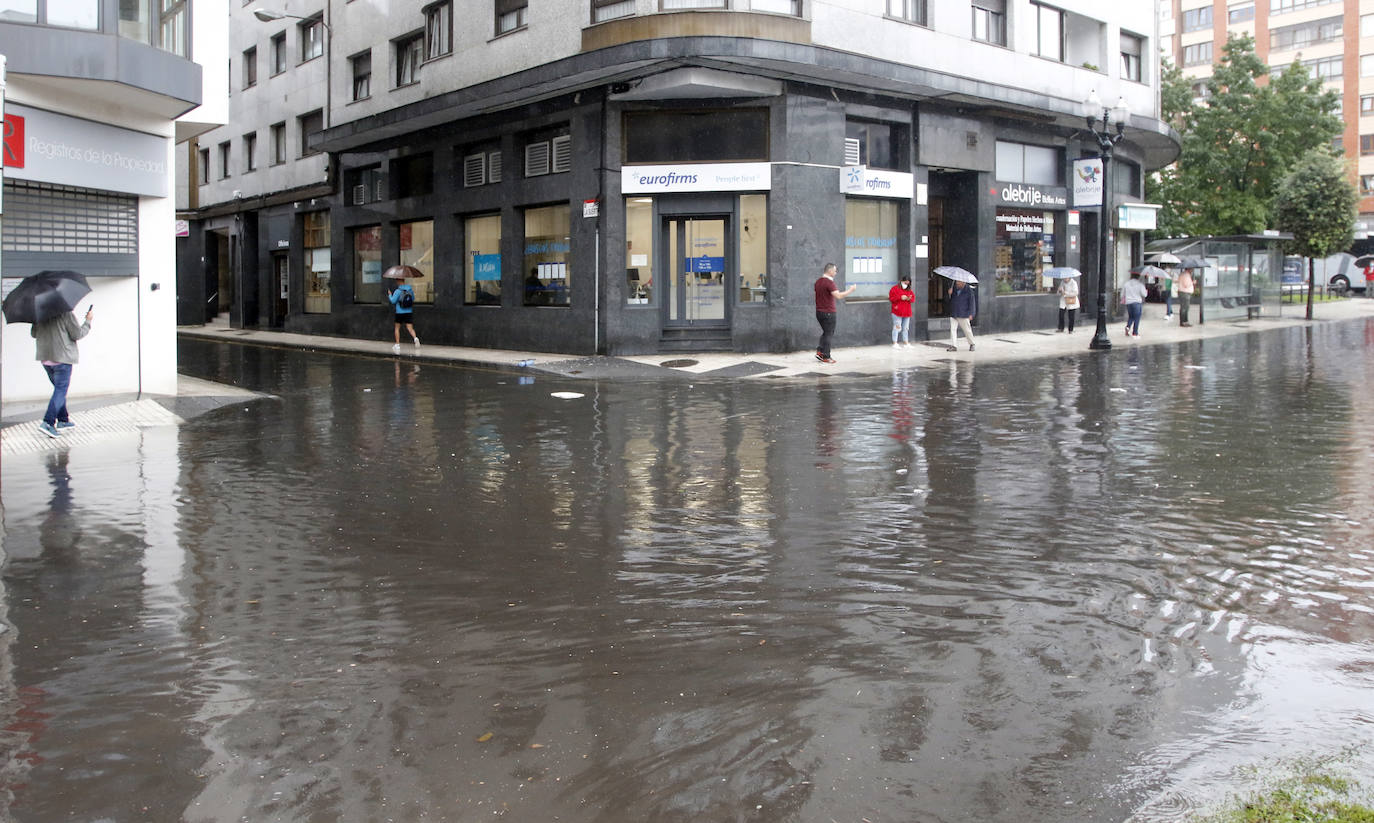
column 1317, row 204
column 1240, row 142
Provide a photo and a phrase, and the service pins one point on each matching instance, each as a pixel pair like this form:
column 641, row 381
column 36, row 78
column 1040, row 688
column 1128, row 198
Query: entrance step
column 690, row 340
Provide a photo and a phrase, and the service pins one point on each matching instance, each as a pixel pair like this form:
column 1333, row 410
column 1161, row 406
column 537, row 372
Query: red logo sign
column 14, row 142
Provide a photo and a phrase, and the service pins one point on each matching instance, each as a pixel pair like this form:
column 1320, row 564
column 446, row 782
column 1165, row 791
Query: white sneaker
column 396, row 347
column 417, row 341
column 896, row 346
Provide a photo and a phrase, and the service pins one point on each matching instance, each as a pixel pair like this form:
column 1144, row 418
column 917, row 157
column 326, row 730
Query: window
column 278, row 144
column 1021, row 163
column 1049, row 37
column 1131, row 49
column 1366, row 144
column 172, row 27
column 438, row 30
column 158, row 24
column 870, row 246
column 548, row 154
column 1024, row 242
column 788, row 7
column 312, row 38
column 367, row 264
column 482, row 237
column 311, row 125
column 1325, row 69
column 364, row 185
column 414, row 175
column 869, row 144
column 362, row 75
column 753, row 248
column 1197, row 19
column 224, row 160
column 672, row 5
column 204, row 159
column 250, row 151
column 696, row 136
column 1367, row 25
column 912, row 11
column 73, row 14
column 1367, row 184
column 547, row 244
column 510, row 15
column 1366, row 105
column 250, row 67
column 1198, row 54
column 1305, row 34
column 481, row 166
column 1240, row 12
column 417, row 249
column 603, row 10
column 1338, row 145
column 278, row 53
column 990, row 21
column 317, row 262
column 408, row 53
column 639, row 251
column 1366, row 65
column 1282, row 6
column 1201, row 91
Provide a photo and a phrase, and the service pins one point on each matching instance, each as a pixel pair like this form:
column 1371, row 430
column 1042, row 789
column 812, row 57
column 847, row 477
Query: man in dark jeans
column 826, row 295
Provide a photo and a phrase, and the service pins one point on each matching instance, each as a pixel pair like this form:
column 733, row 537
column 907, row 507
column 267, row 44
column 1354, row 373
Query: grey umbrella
column 45, row 295
column 1153, row 271
column 956, row 273
column 1192, row 263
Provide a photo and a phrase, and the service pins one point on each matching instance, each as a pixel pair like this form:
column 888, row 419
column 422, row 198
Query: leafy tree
column 1318, row 205
column 1240, row 142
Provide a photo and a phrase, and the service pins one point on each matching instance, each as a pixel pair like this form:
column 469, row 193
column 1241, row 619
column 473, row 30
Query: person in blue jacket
column 403, row 301
column 963, row 305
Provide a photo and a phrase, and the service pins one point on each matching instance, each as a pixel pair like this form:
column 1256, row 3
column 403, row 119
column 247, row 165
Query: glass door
column 697, row 264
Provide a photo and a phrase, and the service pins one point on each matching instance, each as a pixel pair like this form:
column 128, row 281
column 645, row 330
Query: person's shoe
column 1184, row 325
column 970, row 347
column 417, row 341
column 827, row 360
column 64, row 424
column 1058, row 331
column 48, row 429
column 896, row 345
column 822, row 358
column 396, row 347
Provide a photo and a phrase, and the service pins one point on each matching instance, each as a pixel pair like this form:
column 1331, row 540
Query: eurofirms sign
column 688, row 177
column 863, row 181
column 46, row 147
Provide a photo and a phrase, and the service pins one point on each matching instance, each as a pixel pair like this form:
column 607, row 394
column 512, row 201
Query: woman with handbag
column 1068, row 302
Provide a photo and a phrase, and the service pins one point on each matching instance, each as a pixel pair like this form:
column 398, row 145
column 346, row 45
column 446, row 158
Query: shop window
column 510, row 15
column 317, row 262
column 603, row 10
column 367, row 264
column 414, row 175
column 481, row 165
column 870, row 246
column 1025, row 247
column 311, row 125
column 696, row 136
column 438, row 30
column 1023, row 163
column 753, row 248
column 362, row 75
column 547, row 258
column 639, row 251
column 417, row 249
column 990, row 21
column 869, row 144
column 482, row 244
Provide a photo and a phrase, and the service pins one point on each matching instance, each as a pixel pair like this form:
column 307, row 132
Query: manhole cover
column 677, row 364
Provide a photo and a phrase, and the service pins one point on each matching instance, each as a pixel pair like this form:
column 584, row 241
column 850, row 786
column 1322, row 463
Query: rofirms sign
column 1019, row 194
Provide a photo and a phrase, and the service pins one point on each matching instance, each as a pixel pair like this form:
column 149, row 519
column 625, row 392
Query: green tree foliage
column 1317, row 204
column 1239, row 143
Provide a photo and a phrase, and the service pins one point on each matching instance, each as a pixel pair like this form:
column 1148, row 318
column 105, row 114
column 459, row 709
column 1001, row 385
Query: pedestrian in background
column 901, row 297
column 1133, row 298
column 1068, row 303
column 963, row 307
column 1185, row 296
column 1170, row 289
column 403, row 301
column 55, row 347
column 826, row 295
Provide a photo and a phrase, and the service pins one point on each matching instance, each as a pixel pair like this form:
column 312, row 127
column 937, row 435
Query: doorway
column 935, row 286
column 698, row 266
column 280, row 286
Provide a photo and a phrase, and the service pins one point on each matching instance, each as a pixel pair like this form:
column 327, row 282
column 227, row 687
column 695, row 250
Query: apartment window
column 318, row 261
column 172, row 35
column 1022, row 163
column 310, row 124
column 547, row 252
column 362, row 75
column 1367, row 25
column 1366, row 144
column 788, row 7
column 675, row 5
column 1197, row 19
column 482, row 242
column 1240, row 12
column 278, row 53
column 250, row 68
column 1367, row 65
column 510, row 15
column 1338, row 145
column 481, row 166
column 1305, row 34
column 1367, row 184
column 1366, row 105
column 438, row 30
column 409, row 51
column 603, row 10
column 162, row 25
column 1131, row 49
column 912, row 11
column 224, row 160
column 990, row 21
column 312, row 38
column 548, row 154
column 204, row 158
column 278, row 133
column 1282, row 6
column 250, row 151
column 1327, row 69
column 1201, row 91
column 367, row 264
column 1049, row 32
column 1198, row 54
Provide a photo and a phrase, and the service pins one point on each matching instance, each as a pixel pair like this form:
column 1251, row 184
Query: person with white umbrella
column 963, row 301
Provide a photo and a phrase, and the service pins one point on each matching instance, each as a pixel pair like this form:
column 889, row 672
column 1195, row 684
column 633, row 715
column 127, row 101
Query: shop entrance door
column 698, row 264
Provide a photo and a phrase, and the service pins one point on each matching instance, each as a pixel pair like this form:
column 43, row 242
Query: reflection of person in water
column 59, row 532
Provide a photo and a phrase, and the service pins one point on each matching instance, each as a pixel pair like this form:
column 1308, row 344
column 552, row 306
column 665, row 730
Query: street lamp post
column 1108, row 126
column 270, row 15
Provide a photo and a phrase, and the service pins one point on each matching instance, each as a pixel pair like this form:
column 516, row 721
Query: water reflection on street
column 1082, row 588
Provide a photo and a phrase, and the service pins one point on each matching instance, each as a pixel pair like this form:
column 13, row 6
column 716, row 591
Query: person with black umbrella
column 55, row 345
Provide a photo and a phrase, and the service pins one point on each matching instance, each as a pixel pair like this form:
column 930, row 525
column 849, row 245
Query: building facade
column 98, row 95
column 1333, row 39
column 584, row 176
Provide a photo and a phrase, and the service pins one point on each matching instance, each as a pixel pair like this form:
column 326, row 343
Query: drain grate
column 677, row 364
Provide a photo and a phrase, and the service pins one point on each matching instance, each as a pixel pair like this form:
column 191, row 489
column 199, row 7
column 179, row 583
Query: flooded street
column 1091, row 588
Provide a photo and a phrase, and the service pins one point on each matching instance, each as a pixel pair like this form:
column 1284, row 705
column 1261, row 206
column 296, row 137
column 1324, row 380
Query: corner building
column 583, row 176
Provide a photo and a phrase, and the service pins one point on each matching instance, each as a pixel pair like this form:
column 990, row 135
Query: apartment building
column 638, row 176
column 98, row 94
column 1334, row 39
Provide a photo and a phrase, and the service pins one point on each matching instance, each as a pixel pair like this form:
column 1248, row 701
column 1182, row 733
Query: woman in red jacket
column 901, row 297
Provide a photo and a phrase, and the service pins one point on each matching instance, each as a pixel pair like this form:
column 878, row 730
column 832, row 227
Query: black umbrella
column 44, row 296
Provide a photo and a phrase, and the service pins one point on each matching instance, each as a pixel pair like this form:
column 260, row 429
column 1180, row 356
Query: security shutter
column 63, row 227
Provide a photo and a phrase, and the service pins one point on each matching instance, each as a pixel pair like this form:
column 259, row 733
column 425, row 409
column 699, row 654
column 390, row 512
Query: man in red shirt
column 826, row 295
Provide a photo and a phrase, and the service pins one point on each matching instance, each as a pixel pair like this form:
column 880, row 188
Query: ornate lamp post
column 1108, row 126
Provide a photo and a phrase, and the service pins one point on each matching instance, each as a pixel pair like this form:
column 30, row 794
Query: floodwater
column 1091, row 588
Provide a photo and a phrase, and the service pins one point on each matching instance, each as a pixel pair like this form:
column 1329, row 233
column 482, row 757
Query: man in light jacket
column 55, row 347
